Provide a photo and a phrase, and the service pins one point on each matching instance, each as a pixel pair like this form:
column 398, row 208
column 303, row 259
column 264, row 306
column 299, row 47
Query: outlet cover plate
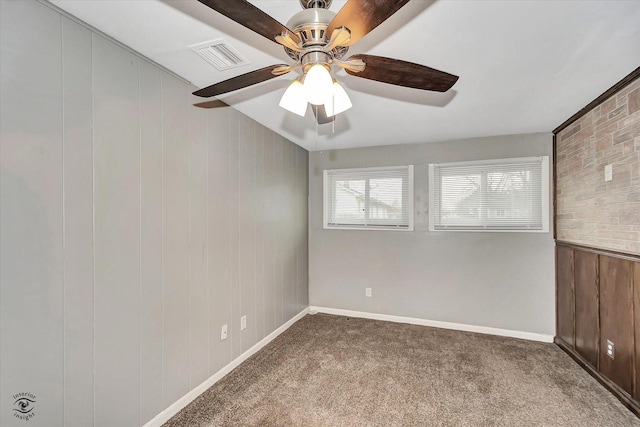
column 243, row 322
column 223, row 332
column 611, row 350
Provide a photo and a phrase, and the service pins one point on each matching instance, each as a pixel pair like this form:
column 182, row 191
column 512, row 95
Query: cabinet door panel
column 636, row 287
column 616, row 320
column 586, row 294
column 564, row 294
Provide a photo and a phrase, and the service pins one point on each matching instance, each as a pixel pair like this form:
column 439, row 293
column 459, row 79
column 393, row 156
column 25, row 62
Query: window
column 369, row 198
column 498, row 195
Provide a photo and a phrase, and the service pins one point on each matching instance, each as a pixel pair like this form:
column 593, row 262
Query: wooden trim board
column 590, row 106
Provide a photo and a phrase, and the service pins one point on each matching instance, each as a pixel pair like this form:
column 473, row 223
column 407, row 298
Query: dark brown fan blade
column 362, row 16
column 321, row 114
column 239, row 82
column 244, row 13
column 402, row 73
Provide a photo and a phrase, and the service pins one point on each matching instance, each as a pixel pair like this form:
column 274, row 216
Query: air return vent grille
column 220, row 54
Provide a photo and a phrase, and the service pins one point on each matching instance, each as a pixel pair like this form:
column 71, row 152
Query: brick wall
column 591, row 211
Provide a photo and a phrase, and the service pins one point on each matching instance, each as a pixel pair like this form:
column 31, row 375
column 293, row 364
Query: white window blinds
column 371, row 198
column 505, row 194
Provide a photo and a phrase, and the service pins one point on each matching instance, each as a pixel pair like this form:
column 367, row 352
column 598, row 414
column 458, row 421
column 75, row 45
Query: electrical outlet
column 223, row 333
column 611, row 350
column 608, row 173
column 367, row 292
column 243, row 322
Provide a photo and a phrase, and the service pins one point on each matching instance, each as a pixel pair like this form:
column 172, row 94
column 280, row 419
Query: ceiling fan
column 319, row 39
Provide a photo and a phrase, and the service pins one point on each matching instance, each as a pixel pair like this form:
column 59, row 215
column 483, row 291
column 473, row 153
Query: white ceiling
column 524, row 66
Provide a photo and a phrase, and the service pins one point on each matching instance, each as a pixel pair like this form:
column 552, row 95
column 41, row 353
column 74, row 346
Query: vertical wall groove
column 64, row 234
column 162, row 233
column 140, row 242
column 77, row 205
column 93, row 235
column 208, row 277
column 190, row 242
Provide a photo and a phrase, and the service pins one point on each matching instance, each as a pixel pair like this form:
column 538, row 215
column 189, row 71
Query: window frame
column 410, row 202
column 545, row 194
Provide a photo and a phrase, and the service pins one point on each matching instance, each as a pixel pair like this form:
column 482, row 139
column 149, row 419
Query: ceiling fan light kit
column 294, row 98
column 339, row 102
column 297, row 96
column 318, row 84
column 319, row 39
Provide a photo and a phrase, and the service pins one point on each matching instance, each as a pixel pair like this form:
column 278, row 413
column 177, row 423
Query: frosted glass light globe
column 338, row 102
column 295, row 99
column 318, row 84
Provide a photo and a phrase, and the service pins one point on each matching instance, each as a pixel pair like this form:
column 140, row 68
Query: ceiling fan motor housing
column 310, row 26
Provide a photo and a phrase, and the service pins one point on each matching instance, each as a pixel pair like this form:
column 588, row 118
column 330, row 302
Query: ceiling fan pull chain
column 316, row 107
column 333, row 107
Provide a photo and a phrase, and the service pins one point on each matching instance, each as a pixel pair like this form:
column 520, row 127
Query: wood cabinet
column 616, row 320
column 564, row 294
column 587, row 317
column 598, row 301
column 636, row 304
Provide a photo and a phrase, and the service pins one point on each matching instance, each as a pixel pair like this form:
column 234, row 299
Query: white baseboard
column 436, row 324
column 165, row 415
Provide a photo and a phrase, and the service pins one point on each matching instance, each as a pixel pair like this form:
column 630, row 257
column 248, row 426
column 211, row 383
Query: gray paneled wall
column 133, row 226
column 497, row 280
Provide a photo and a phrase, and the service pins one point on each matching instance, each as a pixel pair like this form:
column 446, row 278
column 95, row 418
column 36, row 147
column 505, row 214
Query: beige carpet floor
column 339, row 371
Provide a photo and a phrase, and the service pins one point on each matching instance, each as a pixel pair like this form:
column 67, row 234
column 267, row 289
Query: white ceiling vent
column 220, row 54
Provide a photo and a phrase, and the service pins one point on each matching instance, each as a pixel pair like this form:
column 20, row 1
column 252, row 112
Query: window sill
column 481, row 230
column 328, row 227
